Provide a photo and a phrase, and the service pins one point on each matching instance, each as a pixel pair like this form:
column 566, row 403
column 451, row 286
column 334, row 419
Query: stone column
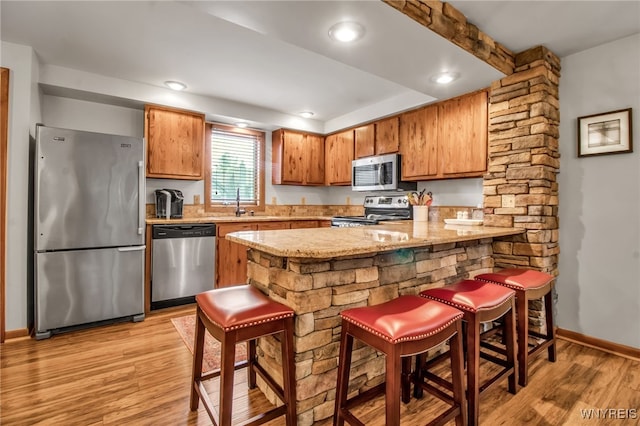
column 520, row 187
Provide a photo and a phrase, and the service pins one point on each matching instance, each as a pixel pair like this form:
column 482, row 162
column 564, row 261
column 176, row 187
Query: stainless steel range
column 377, row 208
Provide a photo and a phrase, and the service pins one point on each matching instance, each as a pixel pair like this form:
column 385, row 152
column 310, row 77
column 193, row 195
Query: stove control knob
column 404, row 200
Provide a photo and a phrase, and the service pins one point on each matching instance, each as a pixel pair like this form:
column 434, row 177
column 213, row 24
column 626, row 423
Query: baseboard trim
column 15, row 334
column 603, row 345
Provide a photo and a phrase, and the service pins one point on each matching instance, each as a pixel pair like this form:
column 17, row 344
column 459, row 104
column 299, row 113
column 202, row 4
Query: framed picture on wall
column 605, row 133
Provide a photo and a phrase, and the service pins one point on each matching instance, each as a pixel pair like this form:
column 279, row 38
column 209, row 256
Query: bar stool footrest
column 259, row 419
column 365, row 396
column 276, row 388
column 540, row 347
column 494, row 348
column 216, row 373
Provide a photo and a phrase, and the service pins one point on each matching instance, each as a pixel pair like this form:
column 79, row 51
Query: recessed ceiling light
column 242, row 124
column 306, row 114
column 346, row 32
column 175, row 85
column 444, row 77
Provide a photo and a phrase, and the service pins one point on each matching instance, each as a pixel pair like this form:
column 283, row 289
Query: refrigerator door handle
column 134, row 248
column 141, row 197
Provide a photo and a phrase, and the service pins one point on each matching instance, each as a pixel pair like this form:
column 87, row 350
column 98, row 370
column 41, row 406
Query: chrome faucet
column 239, row 211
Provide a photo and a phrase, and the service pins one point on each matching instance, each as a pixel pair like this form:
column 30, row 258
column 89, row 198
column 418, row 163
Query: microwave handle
column 381, row 174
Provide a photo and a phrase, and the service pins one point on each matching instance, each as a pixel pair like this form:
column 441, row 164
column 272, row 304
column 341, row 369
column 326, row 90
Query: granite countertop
column 232, row 219
column 326, row 243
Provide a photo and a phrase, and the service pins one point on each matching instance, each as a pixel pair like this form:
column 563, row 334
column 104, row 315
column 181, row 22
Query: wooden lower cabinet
column 231, row 264
column 270, row 226
column 231, row 258
column 299, row 224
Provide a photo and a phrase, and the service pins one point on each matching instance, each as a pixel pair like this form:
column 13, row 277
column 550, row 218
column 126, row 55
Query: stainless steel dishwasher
column 183, row 263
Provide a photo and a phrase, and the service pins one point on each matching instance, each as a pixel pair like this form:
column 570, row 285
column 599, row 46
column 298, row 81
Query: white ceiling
column 276, row 55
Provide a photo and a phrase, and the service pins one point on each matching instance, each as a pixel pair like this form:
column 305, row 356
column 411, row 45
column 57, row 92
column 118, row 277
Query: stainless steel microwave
column 379, row 173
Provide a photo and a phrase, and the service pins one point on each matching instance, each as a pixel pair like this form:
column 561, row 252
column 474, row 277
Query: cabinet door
column 299, row 224
column 386, row 140
column 268, row 226
column 297, row 158
column 231, row 267
column 365, row 141
column 175, row 143
column 462, row 135
column 418, row 143
column 338, row 158
column 293, row 152
column 314, row 160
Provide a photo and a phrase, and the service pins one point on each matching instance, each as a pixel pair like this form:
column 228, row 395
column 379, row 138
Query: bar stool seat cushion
column 404, row 318
column 518, row 279
column 241, row 306
column 470, row 295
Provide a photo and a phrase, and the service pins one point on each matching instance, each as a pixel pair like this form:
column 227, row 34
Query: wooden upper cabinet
column 387, row 136
column 297, row 158
column 175, row 143
column 377, row 138
column 314, row 160
column 364, row 140
column 462, row 135
column 339, row 155
column 418, row 139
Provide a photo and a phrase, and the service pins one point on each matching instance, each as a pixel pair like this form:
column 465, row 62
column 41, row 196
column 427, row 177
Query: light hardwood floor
column 139, row 374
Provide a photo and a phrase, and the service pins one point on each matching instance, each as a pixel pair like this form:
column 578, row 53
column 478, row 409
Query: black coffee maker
column 169, row 203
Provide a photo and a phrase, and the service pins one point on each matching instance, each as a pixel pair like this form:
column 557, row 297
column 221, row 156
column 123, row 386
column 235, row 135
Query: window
column 235, row 168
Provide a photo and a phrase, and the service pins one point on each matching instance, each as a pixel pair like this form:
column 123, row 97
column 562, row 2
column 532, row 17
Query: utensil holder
column 421, row 213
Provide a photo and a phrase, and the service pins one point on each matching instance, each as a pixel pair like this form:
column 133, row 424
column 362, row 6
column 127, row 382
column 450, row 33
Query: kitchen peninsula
column 320, row 272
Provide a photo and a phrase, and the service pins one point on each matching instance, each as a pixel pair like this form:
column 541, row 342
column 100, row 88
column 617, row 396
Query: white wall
column 24, row 112
column 599, row 283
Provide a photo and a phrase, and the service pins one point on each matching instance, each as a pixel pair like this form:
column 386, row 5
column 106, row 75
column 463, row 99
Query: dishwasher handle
column 187, row 230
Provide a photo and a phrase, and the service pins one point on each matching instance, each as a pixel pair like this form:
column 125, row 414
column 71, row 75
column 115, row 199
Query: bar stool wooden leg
column 406, row 379
column 473, row 368
column 551, row 330
column 198, row 349
column 289, row 371
column 509, row 336
column 419, row 376
column 457, row 374
column 522, row 309
column 393, row 379
column 344, row 364
column 251, row 360
column 228, row 351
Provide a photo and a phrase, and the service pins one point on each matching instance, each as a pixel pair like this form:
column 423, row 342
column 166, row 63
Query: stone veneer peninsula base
column 320, row 272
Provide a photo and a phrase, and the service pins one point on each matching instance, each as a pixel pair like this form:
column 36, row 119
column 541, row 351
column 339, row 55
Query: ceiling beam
column 448, row 22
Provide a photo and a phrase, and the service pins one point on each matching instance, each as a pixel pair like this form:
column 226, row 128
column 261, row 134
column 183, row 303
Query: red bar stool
column 528, row 285
column 481, row 302
column 400, row 328
column 237, row 314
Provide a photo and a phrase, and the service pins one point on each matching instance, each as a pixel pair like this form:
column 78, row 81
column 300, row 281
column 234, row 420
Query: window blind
column 234, row 167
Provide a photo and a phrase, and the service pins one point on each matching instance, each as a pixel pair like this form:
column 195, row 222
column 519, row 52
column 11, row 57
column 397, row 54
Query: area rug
column 186, row 328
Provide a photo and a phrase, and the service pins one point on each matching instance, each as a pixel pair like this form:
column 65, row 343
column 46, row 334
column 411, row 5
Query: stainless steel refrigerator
column 88, row 228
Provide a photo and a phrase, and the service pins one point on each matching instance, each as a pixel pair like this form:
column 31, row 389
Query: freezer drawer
column 82, row 286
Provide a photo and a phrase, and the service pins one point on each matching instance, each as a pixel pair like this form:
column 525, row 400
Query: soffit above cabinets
column 261, row 57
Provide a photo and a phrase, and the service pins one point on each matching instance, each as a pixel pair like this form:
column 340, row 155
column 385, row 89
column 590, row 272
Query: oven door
column 375, row 173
